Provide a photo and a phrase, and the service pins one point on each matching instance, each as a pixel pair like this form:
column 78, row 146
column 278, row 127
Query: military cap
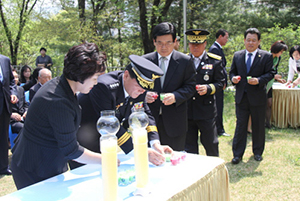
column 145, row 71
column 197, row 35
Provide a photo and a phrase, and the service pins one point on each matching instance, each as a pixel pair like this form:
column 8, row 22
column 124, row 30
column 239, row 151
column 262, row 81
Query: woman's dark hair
column 293, row 49
column 83, row 61
column 33, row 79
column 35, row 73
column 22, row 78
column 278, row 46
column 15, row 70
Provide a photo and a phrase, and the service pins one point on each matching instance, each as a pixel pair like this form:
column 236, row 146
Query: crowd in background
column 193, row 98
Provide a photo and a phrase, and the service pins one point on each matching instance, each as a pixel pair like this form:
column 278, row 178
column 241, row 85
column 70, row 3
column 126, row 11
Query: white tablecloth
column 195, row 178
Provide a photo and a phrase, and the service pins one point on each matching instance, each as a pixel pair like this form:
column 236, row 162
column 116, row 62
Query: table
column 196, row 178
column 285, row 106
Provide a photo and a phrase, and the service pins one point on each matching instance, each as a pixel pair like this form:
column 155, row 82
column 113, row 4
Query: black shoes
column 224, row 134
column 258, row 157
column 7, row 172
column 236, row 160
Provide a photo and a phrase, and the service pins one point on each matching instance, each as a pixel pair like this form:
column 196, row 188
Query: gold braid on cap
column 197, row 32
column 142, row 79
column 194, row 38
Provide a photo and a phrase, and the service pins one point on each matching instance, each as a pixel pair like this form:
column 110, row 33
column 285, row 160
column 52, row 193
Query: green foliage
column 115, row 28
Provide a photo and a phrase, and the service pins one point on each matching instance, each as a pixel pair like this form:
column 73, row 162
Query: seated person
column 25, row 75
column 44, row 76
column 294, row 65
column 33, row 79
column 121, row 91
column 19, row 110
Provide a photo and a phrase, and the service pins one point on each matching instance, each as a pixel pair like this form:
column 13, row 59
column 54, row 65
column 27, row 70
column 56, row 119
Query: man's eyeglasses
column 167, row 44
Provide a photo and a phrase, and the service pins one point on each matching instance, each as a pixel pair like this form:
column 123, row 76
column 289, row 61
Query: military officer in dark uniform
column 121, row 91
column 202, row 109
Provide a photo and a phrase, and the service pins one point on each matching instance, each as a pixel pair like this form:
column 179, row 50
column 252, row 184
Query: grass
column 7, row 184
column 277, row 177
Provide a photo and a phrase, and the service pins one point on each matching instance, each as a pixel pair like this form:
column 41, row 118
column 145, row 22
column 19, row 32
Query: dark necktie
column 248, row 63
column 126, row 100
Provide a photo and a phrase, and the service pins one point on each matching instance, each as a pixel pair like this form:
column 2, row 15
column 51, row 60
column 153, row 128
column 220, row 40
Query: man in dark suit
column 121, row 91
column 216, row 48
column 19, row 110
column 202, row 110
column 7, row 96
column 44, row 76
column 178, row 83
column 251, row 70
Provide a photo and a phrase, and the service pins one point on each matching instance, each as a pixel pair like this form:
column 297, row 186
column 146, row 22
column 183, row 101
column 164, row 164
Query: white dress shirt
column 198, row 59
column 292, row 70
column 167, row 61
column 252, row 57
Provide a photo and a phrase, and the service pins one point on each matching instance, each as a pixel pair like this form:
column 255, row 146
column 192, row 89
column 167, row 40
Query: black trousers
column 208, row 137
column 220, row 106
column 176, row 143
column 16, row 126
column 4, row 123
column 243, row 110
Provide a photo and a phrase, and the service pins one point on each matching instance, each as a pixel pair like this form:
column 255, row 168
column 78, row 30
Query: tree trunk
column 14, row 45
column 81, row 8
column 97, row 5
column 147, row 42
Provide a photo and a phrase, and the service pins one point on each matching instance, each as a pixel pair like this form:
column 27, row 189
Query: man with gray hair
column 44, row 76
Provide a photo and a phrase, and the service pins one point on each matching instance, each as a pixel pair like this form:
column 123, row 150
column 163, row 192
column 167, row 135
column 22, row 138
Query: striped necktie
column 248, row 64
column 163, row 68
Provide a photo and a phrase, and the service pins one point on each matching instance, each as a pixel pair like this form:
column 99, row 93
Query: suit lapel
column 154, row 59
column 256, row 60
column 157, row 81
column 3, row 70
column 220, row 49
column 243, row 63
column 202, row 62
column 173, row 64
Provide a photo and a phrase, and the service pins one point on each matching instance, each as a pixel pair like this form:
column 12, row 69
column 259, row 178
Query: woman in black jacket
column 48, row 138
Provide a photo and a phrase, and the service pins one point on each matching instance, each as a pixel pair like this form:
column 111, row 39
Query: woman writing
column 48, row 138
column 276, row 49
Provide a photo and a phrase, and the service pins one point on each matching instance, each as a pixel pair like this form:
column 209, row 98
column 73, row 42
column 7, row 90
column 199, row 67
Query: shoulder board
column 214, row 56
column 114, row 85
